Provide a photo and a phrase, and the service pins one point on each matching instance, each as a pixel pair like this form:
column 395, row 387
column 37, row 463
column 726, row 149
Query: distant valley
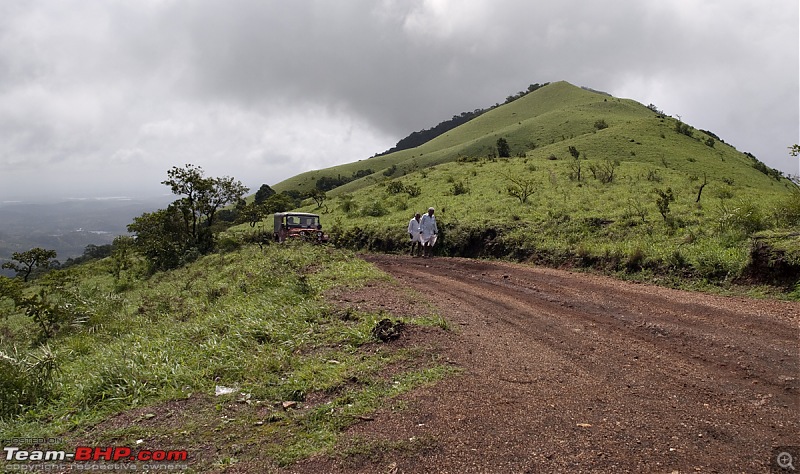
column 68, row 226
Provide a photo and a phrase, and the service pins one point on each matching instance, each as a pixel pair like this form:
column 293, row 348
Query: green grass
column 250, row 319
column 584, row 223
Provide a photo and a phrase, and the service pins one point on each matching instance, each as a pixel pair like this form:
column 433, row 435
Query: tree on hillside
column 164, row 237
column 202, row 198
column 318, row 196
column 520, row 188
column 26, row 262
column 503, row 150
column 263, row 193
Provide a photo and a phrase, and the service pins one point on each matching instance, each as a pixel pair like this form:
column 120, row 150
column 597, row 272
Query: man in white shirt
column 427, row 233
column 413, row 232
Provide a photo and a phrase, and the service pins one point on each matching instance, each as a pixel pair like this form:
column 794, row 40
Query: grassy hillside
column 543, row 122
column 250, row 319
column 630, row 159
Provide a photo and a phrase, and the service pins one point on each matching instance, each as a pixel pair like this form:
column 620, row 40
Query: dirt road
column 569, row 372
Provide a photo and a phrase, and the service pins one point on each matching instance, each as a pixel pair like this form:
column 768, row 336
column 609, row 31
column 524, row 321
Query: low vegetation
column 254, row 320
column 566, row 176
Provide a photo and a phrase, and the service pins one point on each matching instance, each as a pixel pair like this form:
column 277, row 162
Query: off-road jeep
column 298, row 225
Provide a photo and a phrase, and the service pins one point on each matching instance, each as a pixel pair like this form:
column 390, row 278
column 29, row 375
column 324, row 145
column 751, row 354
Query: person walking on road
column 413, row 231
column 427, row 233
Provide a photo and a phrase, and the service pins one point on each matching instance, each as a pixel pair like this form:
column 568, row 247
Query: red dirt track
column 570, row 372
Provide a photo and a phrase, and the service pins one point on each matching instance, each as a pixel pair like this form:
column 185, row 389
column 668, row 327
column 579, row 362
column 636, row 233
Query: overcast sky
column 102, row 97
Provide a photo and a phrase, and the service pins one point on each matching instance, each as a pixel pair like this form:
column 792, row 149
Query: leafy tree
column 252, row 213
column 202, row 198
column 503, row 150
column 280, row 203
column 318, row 196
column 26, row 262
column 164, row 237
column 263, row 193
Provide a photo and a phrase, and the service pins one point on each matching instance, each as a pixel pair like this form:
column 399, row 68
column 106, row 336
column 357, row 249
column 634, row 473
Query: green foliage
column 252, row 319
column 603, row 171
column 503, row 149
column 787, row 210
column 458, row 188
column 26, row 380
column 663, row 200
column 374, row 209
column 395, row 187
column 684, row 129
column 263, row 193
column 346, row 203
column 739, row 220
column 28, row 261
column 600, row 124
column 489, row 221
column 164, row 239
column 185, row 229
column 520, row 188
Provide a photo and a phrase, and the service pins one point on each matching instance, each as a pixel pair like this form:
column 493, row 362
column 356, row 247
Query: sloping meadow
column 252, row 321
column 674, row 219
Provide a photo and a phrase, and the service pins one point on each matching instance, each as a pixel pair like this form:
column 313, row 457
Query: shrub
column 459, row 188
column 604, row 171
column 600, row 124
column 663, row 200
column 635, row 260
column 741, row 220
column 374, row 209
column 25, row 381
column 787, row 212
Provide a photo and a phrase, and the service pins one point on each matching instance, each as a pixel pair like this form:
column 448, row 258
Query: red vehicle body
column 298, row 225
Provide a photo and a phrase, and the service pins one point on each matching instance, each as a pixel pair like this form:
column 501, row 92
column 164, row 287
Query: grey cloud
column 268, row 88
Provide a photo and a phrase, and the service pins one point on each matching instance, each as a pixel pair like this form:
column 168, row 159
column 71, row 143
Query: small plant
column 604, row 171
column 574, row 152
column 600, row 124
column 390, row 171
column 575, row 170
column 521, row 188
column 412, row 190
column 459, row 188
column 664, row 198
column 395, row 187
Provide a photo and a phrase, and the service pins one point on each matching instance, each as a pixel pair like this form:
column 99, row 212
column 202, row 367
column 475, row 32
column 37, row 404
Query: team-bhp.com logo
column 84, row 453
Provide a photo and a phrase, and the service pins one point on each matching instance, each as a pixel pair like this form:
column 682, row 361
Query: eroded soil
column 567, row 372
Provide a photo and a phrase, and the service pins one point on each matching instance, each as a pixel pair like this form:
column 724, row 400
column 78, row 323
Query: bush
column 25, row 381
column 374, row 209
column 740, row 221
column 459, row 188
column 787, row 212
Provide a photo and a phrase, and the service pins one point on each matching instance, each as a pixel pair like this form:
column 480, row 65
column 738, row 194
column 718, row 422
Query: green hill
column 600, row 209
column 555, row 115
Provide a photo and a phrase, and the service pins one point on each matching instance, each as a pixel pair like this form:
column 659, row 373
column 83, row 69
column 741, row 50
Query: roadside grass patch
column 250, row 319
